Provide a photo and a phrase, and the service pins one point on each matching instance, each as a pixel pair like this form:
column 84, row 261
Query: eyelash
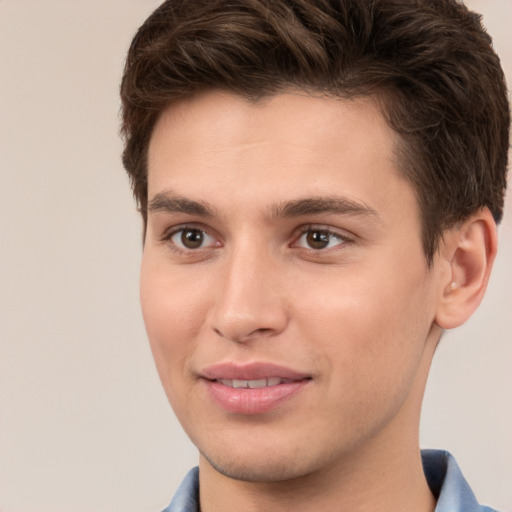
column 167, row 238
column 311, row 228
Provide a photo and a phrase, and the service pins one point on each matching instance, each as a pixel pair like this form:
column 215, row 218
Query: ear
column 468, row 251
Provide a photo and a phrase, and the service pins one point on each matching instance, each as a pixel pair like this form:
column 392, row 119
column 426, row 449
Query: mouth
column 255, row 383
column 255, row 372
column 252, row 389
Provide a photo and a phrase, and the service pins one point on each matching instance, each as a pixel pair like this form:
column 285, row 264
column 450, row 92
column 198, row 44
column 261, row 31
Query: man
column 320, row 184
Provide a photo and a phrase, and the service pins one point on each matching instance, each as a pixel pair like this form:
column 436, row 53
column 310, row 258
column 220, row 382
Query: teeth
column 261, row 383
column 253, row 384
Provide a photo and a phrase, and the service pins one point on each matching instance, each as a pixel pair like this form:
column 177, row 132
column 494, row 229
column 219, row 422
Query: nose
column 250, row 303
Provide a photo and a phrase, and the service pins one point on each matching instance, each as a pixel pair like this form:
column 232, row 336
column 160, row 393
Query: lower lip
column 253, row 400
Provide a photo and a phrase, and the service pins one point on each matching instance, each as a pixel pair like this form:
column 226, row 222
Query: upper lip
column 251, row 371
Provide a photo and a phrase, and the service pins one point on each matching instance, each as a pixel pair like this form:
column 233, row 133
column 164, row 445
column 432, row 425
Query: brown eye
column 318, row 239
column 192, row 238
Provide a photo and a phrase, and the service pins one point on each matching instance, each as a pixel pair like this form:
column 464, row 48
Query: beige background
column 84, row 424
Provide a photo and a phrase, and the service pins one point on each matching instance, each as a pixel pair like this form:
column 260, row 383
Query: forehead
column 282, row 147
column 217, row 118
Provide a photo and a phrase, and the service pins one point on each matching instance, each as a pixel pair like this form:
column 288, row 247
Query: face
column 284, row 289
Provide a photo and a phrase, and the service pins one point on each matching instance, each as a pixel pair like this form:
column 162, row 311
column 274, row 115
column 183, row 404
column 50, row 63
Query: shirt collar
column 186, row 498
column 448, row 484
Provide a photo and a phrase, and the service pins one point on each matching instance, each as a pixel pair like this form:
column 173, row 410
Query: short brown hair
column 429, row 62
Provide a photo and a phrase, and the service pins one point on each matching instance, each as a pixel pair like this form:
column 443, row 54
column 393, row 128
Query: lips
column 251, row 371
column 254, row 383
column 255, row 388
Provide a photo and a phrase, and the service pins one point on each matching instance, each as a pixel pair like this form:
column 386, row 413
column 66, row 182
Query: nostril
column 244, row 337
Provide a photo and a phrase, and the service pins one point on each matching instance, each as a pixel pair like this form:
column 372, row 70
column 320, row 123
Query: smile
column 254, row 388
column 254, row 384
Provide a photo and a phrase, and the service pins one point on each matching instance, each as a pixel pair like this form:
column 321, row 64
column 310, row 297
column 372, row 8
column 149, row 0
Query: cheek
column 371, row 325
column 171, row 309
column 371, row 347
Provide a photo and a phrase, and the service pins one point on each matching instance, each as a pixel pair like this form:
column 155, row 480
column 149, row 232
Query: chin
column 267, row 462
column 258, row 471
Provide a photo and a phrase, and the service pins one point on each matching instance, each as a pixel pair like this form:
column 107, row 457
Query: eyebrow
column 169, row 203
column 335, row 205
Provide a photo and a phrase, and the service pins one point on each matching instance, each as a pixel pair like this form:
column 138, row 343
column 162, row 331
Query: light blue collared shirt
column 442, row 472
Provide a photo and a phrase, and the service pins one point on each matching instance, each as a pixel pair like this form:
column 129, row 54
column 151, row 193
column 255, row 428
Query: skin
column 361, row 316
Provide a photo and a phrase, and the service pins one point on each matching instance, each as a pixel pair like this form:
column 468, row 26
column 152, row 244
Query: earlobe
column 470, row 249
